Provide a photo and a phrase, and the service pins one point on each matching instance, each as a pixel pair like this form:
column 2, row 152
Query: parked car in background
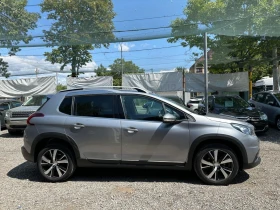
column 175, row 98
column 269, row 103
column 236, row 107
column 5, row 105
column 193, row 104
column 107, row 127
column 15, row 118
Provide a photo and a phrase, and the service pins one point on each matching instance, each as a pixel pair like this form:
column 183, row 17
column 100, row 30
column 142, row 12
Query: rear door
column 146, row 139
column 270, row 107
column 95, row 127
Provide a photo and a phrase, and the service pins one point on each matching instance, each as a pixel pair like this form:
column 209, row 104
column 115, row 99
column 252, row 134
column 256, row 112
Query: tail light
column 189, row 105
column 36, row 114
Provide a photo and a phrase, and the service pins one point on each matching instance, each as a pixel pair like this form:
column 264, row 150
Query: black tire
column 277, row 123
column 13, row 132
column 58, row 168
column 216, row 168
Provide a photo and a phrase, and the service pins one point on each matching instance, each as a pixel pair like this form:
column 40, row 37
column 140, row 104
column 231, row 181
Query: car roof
column 269, row 91
column 8, row 100
column 97, row 91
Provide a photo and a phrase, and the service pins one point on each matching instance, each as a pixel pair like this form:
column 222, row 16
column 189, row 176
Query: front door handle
column 78, row 126
column 132, row 130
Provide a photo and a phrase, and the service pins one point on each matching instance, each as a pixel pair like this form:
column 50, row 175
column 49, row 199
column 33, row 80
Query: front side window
column 178, row 114
column 139, row 107
column 94, row 106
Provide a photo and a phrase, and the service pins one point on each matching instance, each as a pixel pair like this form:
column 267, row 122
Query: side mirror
column 169, row 118
column 252, row 105
column 270, row 103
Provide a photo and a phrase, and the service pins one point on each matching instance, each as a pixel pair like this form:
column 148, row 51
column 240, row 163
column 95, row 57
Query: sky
column 148, row 19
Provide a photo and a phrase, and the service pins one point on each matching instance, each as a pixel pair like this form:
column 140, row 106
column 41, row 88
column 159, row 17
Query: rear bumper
column 27, row 156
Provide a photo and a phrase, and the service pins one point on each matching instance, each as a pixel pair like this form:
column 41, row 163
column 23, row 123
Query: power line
column 148, row 49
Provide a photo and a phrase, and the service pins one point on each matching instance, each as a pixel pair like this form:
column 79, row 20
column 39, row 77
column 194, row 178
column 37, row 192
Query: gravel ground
column 22, row 187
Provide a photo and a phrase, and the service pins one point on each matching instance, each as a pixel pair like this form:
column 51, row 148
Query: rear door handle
column 78, row 126
column 132, row 130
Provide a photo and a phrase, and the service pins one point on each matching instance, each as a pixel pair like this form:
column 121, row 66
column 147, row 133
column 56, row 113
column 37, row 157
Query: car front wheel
column 56, row 163
column 278, row 123
column 216, row 165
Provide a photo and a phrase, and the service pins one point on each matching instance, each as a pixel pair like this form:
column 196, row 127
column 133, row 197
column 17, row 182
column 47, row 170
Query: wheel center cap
column 217, row 164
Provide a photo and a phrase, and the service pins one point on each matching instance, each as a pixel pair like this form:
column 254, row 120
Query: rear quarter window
column 65, row 106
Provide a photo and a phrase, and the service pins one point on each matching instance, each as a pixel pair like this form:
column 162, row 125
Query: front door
column 95, row 128
column 146, row 138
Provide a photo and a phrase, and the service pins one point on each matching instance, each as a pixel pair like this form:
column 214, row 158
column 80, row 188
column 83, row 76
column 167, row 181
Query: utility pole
column 121, row 59
column 36, row 72
column 206, row 73
column 184, row 85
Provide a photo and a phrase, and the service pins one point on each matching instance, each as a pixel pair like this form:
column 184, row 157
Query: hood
column 240, row 112
column 24, row 108
column 223, row 118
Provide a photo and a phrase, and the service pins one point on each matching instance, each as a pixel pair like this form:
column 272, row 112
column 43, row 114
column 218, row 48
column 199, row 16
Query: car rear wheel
column 216, row 164
column 56, row 163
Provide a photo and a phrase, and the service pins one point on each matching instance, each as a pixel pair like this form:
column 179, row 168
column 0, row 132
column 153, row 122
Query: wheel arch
column 229, row 141
column 54, row 138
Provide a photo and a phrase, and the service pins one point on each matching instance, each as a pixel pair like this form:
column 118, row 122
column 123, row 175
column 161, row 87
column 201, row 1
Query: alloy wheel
column 54, row 163
column 217, row 165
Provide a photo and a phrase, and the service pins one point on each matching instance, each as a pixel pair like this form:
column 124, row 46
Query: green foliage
column 4, row 68
column 116, row 69
column 76, row 26
column 223, row 20
column 15, row 22
column 180, row 69
column 60, row 87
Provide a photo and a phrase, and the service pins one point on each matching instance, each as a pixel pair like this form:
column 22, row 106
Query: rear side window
column 65, row 106
column 94, row 106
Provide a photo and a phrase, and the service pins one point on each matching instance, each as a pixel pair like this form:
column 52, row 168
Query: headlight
column 7, row 114
column 243, row 128
column 263, row 116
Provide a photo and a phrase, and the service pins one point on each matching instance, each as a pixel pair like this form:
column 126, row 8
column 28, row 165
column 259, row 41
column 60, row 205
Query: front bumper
column 256, row 162
column 27, row 156
column 16, row 124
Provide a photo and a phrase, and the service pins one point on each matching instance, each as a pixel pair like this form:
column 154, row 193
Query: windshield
column 230, row 102
column 35, row 101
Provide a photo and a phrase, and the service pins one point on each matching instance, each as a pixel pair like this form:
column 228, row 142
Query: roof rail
column 121, row 88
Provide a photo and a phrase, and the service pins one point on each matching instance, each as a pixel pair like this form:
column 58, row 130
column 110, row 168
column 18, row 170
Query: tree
column 4, row 68
column 126, row 67
column 15, row 22
column 227, row 20
column 180, row 69
column 76, row 27
column 102, row 71
column 60, row 87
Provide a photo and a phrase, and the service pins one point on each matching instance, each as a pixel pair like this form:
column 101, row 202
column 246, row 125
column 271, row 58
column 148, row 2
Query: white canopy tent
column 91, row 82
column 26, row 87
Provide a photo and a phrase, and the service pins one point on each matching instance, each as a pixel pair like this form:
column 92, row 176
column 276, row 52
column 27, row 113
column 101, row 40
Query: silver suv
column 107, row 127
column 15, row 119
